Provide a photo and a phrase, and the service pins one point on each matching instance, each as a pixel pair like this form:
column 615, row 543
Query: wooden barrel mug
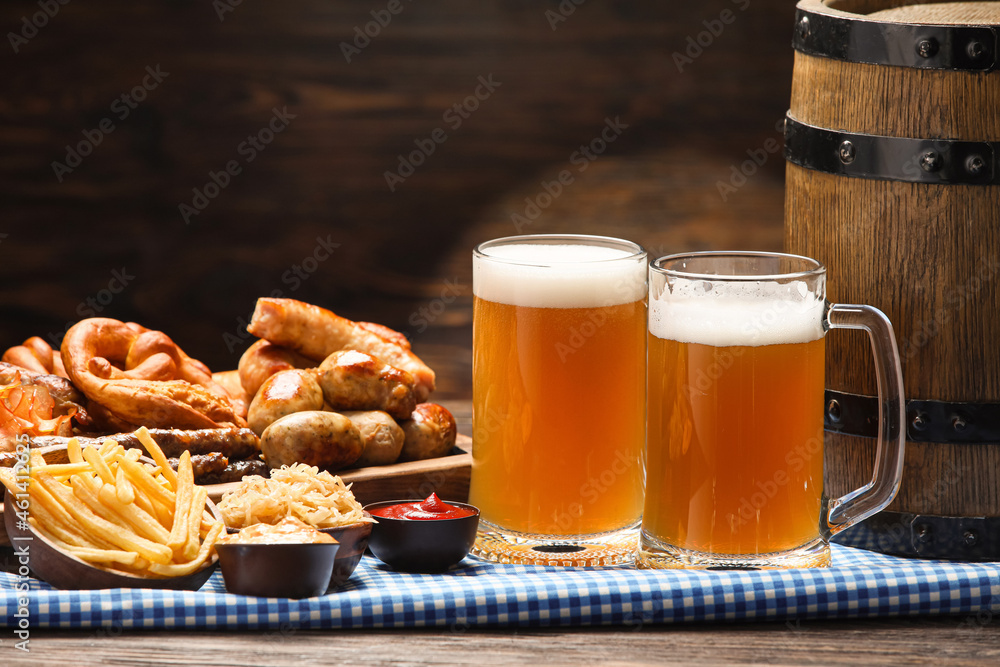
column 892, row 142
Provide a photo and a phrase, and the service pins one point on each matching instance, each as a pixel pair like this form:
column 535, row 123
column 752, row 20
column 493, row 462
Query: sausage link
column 262, row 360
column 203, row 464
column 235, row 472
column 382, row 436
column 430, row 432
column 353, row 380
column 282, row 394
column 234, row 443
column 323, row 439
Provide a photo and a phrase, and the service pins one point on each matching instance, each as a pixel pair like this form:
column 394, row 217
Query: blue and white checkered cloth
column 861, row 584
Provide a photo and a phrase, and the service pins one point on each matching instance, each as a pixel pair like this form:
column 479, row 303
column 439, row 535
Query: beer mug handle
column 860, row 504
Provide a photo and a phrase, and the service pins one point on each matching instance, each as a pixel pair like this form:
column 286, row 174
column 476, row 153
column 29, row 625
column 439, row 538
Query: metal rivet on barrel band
column 975, row 164
column 847, row 152
column 833, row 411
column 927, row 47
column 919, row 422
column 971, row 538
column 923, row 532
column 803, row 27
column 975, row 49
column 958, row 424
column 931, row 161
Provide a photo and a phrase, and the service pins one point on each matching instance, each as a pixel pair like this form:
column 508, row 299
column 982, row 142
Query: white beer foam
column 559, row 276
column 747, row 313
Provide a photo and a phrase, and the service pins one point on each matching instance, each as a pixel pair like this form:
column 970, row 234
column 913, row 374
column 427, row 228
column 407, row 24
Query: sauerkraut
column 318, row 498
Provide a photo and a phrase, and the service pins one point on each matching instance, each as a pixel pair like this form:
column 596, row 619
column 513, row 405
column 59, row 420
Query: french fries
column 107, row 508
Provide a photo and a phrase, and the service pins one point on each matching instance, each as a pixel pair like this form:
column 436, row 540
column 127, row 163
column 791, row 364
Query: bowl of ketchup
column 427, row 535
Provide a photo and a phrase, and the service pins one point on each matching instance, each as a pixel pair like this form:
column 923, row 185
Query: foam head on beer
column 725, row 314
column 559, row 276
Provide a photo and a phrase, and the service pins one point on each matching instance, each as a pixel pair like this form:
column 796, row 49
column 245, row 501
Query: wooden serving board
column 447, row 476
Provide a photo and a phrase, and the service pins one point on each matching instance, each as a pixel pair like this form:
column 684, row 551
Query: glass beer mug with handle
column 734, row 452
column 559, row 383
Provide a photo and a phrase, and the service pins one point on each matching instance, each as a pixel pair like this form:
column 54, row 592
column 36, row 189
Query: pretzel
column 35, row 355
column 142, row 378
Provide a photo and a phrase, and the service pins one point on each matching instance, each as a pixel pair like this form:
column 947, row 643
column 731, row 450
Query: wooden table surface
column 940, row 641
column 949, row 640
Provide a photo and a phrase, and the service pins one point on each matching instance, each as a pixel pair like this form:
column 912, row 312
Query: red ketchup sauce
column 428, row 509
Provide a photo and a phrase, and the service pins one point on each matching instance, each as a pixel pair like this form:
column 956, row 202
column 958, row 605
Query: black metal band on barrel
column 926, row 421
column 937, row 161
column 949, row 47
column 926, row 536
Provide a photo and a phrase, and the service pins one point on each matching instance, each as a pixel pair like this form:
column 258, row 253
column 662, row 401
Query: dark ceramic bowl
column 413, row 545
column 63, row 570
column 277, row 570
column 353, row 540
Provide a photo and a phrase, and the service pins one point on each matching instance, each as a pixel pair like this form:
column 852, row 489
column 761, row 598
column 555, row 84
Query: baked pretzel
column 142, row 378
column 35, row 355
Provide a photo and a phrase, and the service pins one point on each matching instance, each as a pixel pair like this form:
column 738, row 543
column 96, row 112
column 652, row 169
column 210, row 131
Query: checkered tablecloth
column 475, row 594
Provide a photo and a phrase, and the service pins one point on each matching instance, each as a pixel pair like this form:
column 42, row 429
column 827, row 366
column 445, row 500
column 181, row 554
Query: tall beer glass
column 559, row 358
column 734, row 459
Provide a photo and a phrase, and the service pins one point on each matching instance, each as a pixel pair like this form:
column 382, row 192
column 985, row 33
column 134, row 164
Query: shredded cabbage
column 318, row 498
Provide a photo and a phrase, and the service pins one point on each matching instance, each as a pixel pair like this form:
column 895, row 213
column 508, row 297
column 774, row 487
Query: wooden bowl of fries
column 110, row 518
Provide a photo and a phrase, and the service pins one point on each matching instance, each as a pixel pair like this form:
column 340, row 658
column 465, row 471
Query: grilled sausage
column 232, row 443
column 382, row 331
column 353, row 380
column 235, row 472
column 203, row 464
column 382, row 436
column 282, row 394
column 263, row 359
column 430, row 432
column 323, row 439
column 316, row 332
column 62, row 392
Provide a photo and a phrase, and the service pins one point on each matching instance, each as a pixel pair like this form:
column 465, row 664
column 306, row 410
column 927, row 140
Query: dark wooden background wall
column 323, row 176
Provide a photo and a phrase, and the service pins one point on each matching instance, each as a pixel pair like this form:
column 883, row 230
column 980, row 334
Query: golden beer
column 735, row 449
column 559, row 352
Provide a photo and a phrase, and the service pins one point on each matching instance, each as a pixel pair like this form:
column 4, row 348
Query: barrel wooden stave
column 942, row 479
column 894, row 101
column 943, row 277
